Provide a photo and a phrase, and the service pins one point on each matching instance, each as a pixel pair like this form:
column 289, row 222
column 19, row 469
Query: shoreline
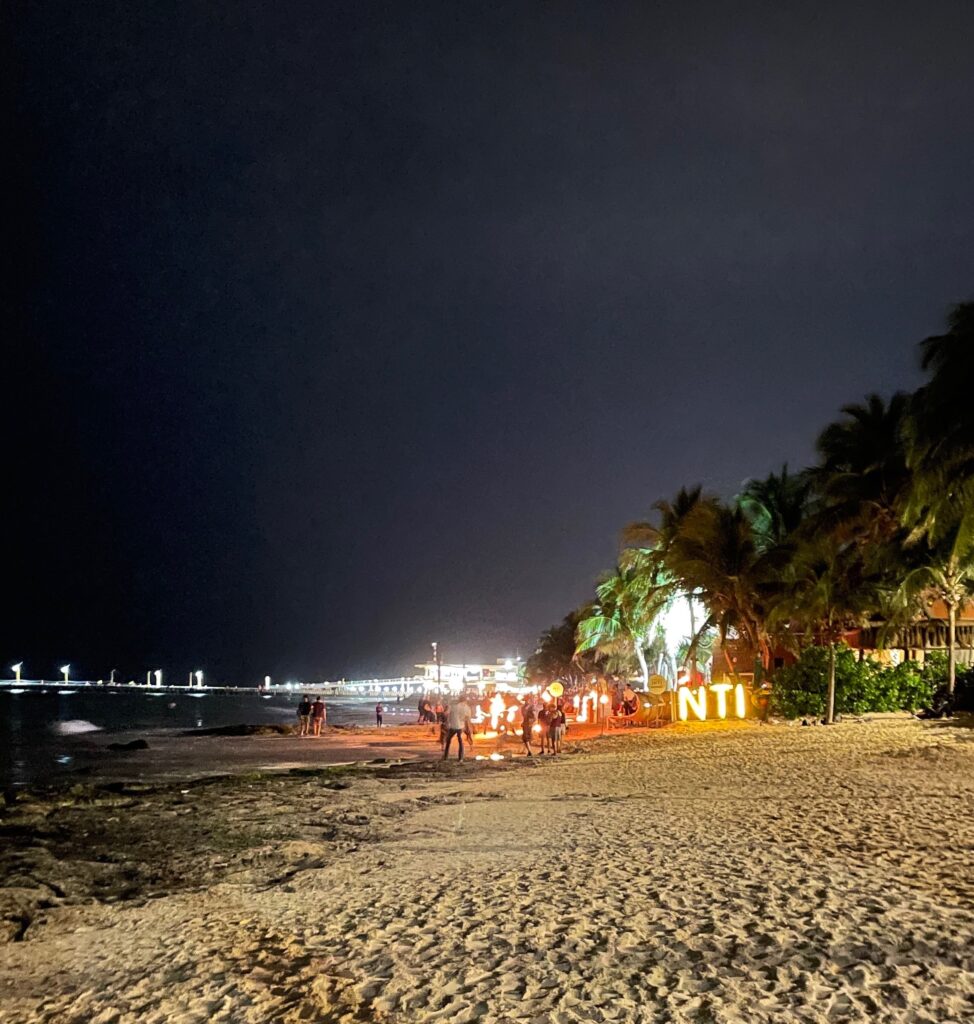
column 177, row 754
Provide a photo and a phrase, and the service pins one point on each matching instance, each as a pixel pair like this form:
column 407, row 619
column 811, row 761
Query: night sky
column 337, row 328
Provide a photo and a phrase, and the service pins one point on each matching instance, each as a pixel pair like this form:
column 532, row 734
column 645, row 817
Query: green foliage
column 555, row 657
column 800, row 690
column 621, row 621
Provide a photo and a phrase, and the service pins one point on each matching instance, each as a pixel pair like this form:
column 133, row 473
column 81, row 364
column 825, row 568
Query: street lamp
column 199, row 677
column 158, row 674
column 65, row 669
column 16, row 669
column 436, row 661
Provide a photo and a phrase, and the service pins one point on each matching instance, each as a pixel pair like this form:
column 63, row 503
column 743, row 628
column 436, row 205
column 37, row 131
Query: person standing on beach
column 378, row 714
column 457, row 723
column 544, row 716
column 528, row 717
column 304, row 715
column 556, row 730
column 317, row 716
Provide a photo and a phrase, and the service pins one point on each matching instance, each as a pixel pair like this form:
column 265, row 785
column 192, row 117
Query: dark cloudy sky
column 337, row 328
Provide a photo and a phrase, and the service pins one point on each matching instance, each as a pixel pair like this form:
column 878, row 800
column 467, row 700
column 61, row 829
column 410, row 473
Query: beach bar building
column 501, row 674
column 926, row 635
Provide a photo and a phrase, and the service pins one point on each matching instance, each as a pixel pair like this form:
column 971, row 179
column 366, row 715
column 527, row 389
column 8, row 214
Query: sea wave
column 73, row 727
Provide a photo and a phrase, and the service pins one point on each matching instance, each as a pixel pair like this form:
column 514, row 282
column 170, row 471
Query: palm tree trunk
column 692, row 649
column 830, row 701
column 643, row 667
column 951, row 646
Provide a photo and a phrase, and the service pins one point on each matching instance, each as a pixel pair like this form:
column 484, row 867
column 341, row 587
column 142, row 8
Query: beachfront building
column 926, row 635
column 500, row 675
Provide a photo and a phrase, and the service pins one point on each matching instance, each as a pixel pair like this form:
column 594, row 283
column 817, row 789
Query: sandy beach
column 717, row 873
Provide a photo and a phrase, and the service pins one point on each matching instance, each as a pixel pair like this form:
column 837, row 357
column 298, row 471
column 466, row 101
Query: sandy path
column 708, row 875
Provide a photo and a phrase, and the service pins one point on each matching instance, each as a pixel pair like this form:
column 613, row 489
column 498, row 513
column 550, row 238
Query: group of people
column 625, row 703
column 311, row 716
column 540, row 722
column 551, row 720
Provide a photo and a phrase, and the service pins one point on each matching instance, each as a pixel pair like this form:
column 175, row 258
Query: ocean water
column 41, row 728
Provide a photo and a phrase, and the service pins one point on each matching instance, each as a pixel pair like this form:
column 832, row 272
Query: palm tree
column 944, row 569
column 645, row 536
column 829, row 592
column 555, row 658
column 715, row 554
column 777, row 506
column 862, row 473
column 622, row 618
column 939, row 505
column 940, row 431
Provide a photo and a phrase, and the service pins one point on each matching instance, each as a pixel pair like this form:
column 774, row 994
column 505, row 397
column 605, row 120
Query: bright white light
column 687, row 700
column 65, row 669
column 739, row 705
column 676, row 622
column 721, row 690
column 158, row 675
column 199, row 676
column 17, row 667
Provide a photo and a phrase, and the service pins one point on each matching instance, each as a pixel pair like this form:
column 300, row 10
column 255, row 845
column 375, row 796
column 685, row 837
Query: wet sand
column 174, row 756
column 719, row 873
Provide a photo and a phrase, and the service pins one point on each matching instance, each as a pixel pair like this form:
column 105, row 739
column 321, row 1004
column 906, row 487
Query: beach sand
column 713, row 873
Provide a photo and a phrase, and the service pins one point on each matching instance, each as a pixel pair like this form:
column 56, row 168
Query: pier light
column 158, row 675
column 199, row 676
column 267, row 682
column 16, row 670
column 65, row 669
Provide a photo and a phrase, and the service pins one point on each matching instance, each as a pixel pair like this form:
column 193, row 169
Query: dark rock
column 132, row 745
column 243, row 730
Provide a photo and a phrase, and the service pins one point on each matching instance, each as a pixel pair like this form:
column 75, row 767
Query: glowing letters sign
column 688, row 699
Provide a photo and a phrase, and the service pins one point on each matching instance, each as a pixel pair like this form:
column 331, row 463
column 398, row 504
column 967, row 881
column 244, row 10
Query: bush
column 801, row 690
column 914, row 685
column 936, row 671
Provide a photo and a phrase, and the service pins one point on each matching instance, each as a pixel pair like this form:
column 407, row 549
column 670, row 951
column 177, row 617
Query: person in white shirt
column 457, row 722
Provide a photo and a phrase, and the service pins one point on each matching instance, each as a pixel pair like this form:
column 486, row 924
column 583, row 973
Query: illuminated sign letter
column 739, row 706
column 686, row 700
column 720, row 689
